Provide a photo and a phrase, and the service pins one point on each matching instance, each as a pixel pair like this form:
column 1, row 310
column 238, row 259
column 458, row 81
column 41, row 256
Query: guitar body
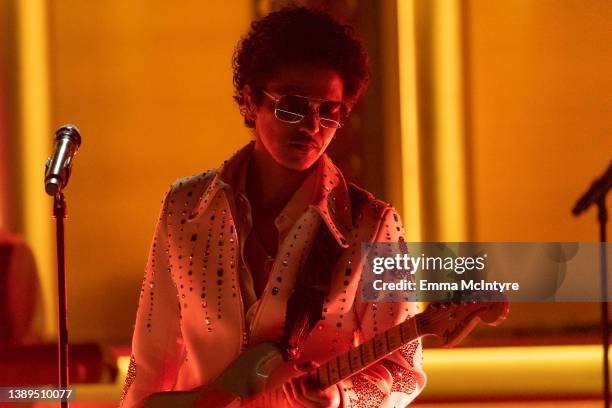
column 259, row 369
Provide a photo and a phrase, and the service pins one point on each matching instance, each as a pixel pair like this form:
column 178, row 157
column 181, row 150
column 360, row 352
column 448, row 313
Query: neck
column 270, row 185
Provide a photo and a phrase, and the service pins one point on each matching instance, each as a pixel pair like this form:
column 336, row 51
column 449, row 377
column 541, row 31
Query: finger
column 312, row 393
column 290, row 396
column 299, row 394
column 306, row 366
column 312, row 396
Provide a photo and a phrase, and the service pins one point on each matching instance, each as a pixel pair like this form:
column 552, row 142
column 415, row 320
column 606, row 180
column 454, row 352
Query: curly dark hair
column 295, row 36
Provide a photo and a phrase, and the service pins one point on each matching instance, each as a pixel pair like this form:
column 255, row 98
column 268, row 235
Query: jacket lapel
column 221, row 179
column 332, row 202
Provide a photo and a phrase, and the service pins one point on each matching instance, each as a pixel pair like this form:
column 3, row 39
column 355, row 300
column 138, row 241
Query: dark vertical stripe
column 387, row 341
column 6, row 330
column 361, row 355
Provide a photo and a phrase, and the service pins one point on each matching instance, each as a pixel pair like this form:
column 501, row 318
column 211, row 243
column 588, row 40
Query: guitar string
column 428, row 317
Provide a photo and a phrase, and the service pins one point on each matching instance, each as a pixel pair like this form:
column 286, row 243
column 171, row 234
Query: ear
column 250, row 106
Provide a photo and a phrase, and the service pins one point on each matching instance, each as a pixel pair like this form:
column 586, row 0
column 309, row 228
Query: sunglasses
column 293, row 108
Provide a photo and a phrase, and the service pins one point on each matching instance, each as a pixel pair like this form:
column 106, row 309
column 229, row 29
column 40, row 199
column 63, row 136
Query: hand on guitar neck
column 304, row 390
column 258, row 378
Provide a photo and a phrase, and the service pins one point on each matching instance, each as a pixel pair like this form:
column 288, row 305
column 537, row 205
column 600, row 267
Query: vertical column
column 450, row 147
column 409, row 121
column 35, row 136
column 442, row 149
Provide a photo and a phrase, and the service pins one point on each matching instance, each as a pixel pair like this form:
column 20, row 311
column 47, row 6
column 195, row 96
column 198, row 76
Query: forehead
column 314, row 82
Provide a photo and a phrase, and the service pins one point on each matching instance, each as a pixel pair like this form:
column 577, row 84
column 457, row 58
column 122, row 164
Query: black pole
column 596, row 194
column 57, row 172
column 59, row 213
column 602, row 218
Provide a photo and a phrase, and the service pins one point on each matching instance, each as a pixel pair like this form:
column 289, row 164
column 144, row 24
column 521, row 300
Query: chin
column 298, row 165
column 299, row 161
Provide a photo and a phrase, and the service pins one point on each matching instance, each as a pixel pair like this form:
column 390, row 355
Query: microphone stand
column 602, row 218
column 597, row 195
column 57, row 173
column 59, row 213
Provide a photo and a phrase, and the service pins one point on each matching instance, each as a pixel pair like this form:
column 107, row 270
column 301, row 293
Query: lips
column 304, row 144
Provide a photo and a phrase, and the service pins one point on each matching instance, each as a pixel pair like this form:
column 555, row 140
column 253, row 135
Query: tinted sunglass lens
column 291, row 108
column 329, row 123
column 332, row 114
column 330, row 110
column 287, row 116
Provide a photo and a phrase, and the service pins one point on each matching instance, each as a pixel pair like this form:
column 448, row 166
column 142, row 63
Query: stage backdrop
column 519, row 89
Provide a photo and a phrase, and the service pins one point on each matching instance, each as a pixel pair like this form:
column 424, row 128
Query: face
column 296, row 146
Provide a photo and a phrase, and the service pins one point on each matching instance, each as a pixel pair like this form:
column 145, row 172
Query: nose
column 310, row 123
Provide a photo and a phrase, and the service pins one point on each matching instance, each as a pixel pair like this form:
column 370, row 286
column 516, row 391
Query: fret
column 401, row 332
column 404, row 332
column 392, row 339
column 338, row 364
column 373, row 341
column 409, row 329
column 379, row 347
column 368, row 353
column 322, row 385
column 354, row 362
column 333, row 370
column 355, row 359
column 361, row 355
column 387, row 341
column 345, row 360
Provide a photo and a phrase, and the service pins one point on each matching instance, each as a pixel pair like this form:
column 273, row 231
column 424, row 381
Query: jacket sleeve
column 157, row 346
column 396, row 380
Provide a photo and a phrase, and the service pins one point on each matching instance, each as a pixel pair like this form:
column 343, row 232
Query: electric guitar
column 255, row 378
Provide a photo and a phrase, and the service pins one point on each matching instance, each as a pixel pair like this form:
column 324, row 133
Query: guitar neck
column 451, row 321
column 347, row 364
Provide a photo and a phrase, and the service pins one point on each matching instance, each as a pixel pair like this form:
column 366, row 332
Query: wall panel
column 149, row 84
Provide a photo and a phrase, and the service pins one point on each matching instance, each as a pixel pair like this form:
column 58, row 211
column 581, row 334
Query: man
column 233, row 244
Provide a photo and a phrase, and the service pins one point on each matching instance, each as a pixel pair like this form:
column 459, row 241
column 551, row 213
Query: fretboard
column 451, row 321
column 345, row 365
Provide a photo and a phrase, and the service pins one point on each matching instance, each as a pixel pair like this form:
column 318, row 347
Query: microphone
column 596, row 192
column 57, row 172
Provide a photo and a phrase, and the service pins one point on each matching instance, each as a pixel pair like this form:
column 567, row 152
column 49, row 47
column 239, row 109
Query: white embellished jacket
column 192, row 323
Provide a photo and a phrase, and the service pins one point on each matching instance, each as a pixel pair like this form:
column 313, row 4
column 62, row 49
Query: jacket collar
column 331, row 201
